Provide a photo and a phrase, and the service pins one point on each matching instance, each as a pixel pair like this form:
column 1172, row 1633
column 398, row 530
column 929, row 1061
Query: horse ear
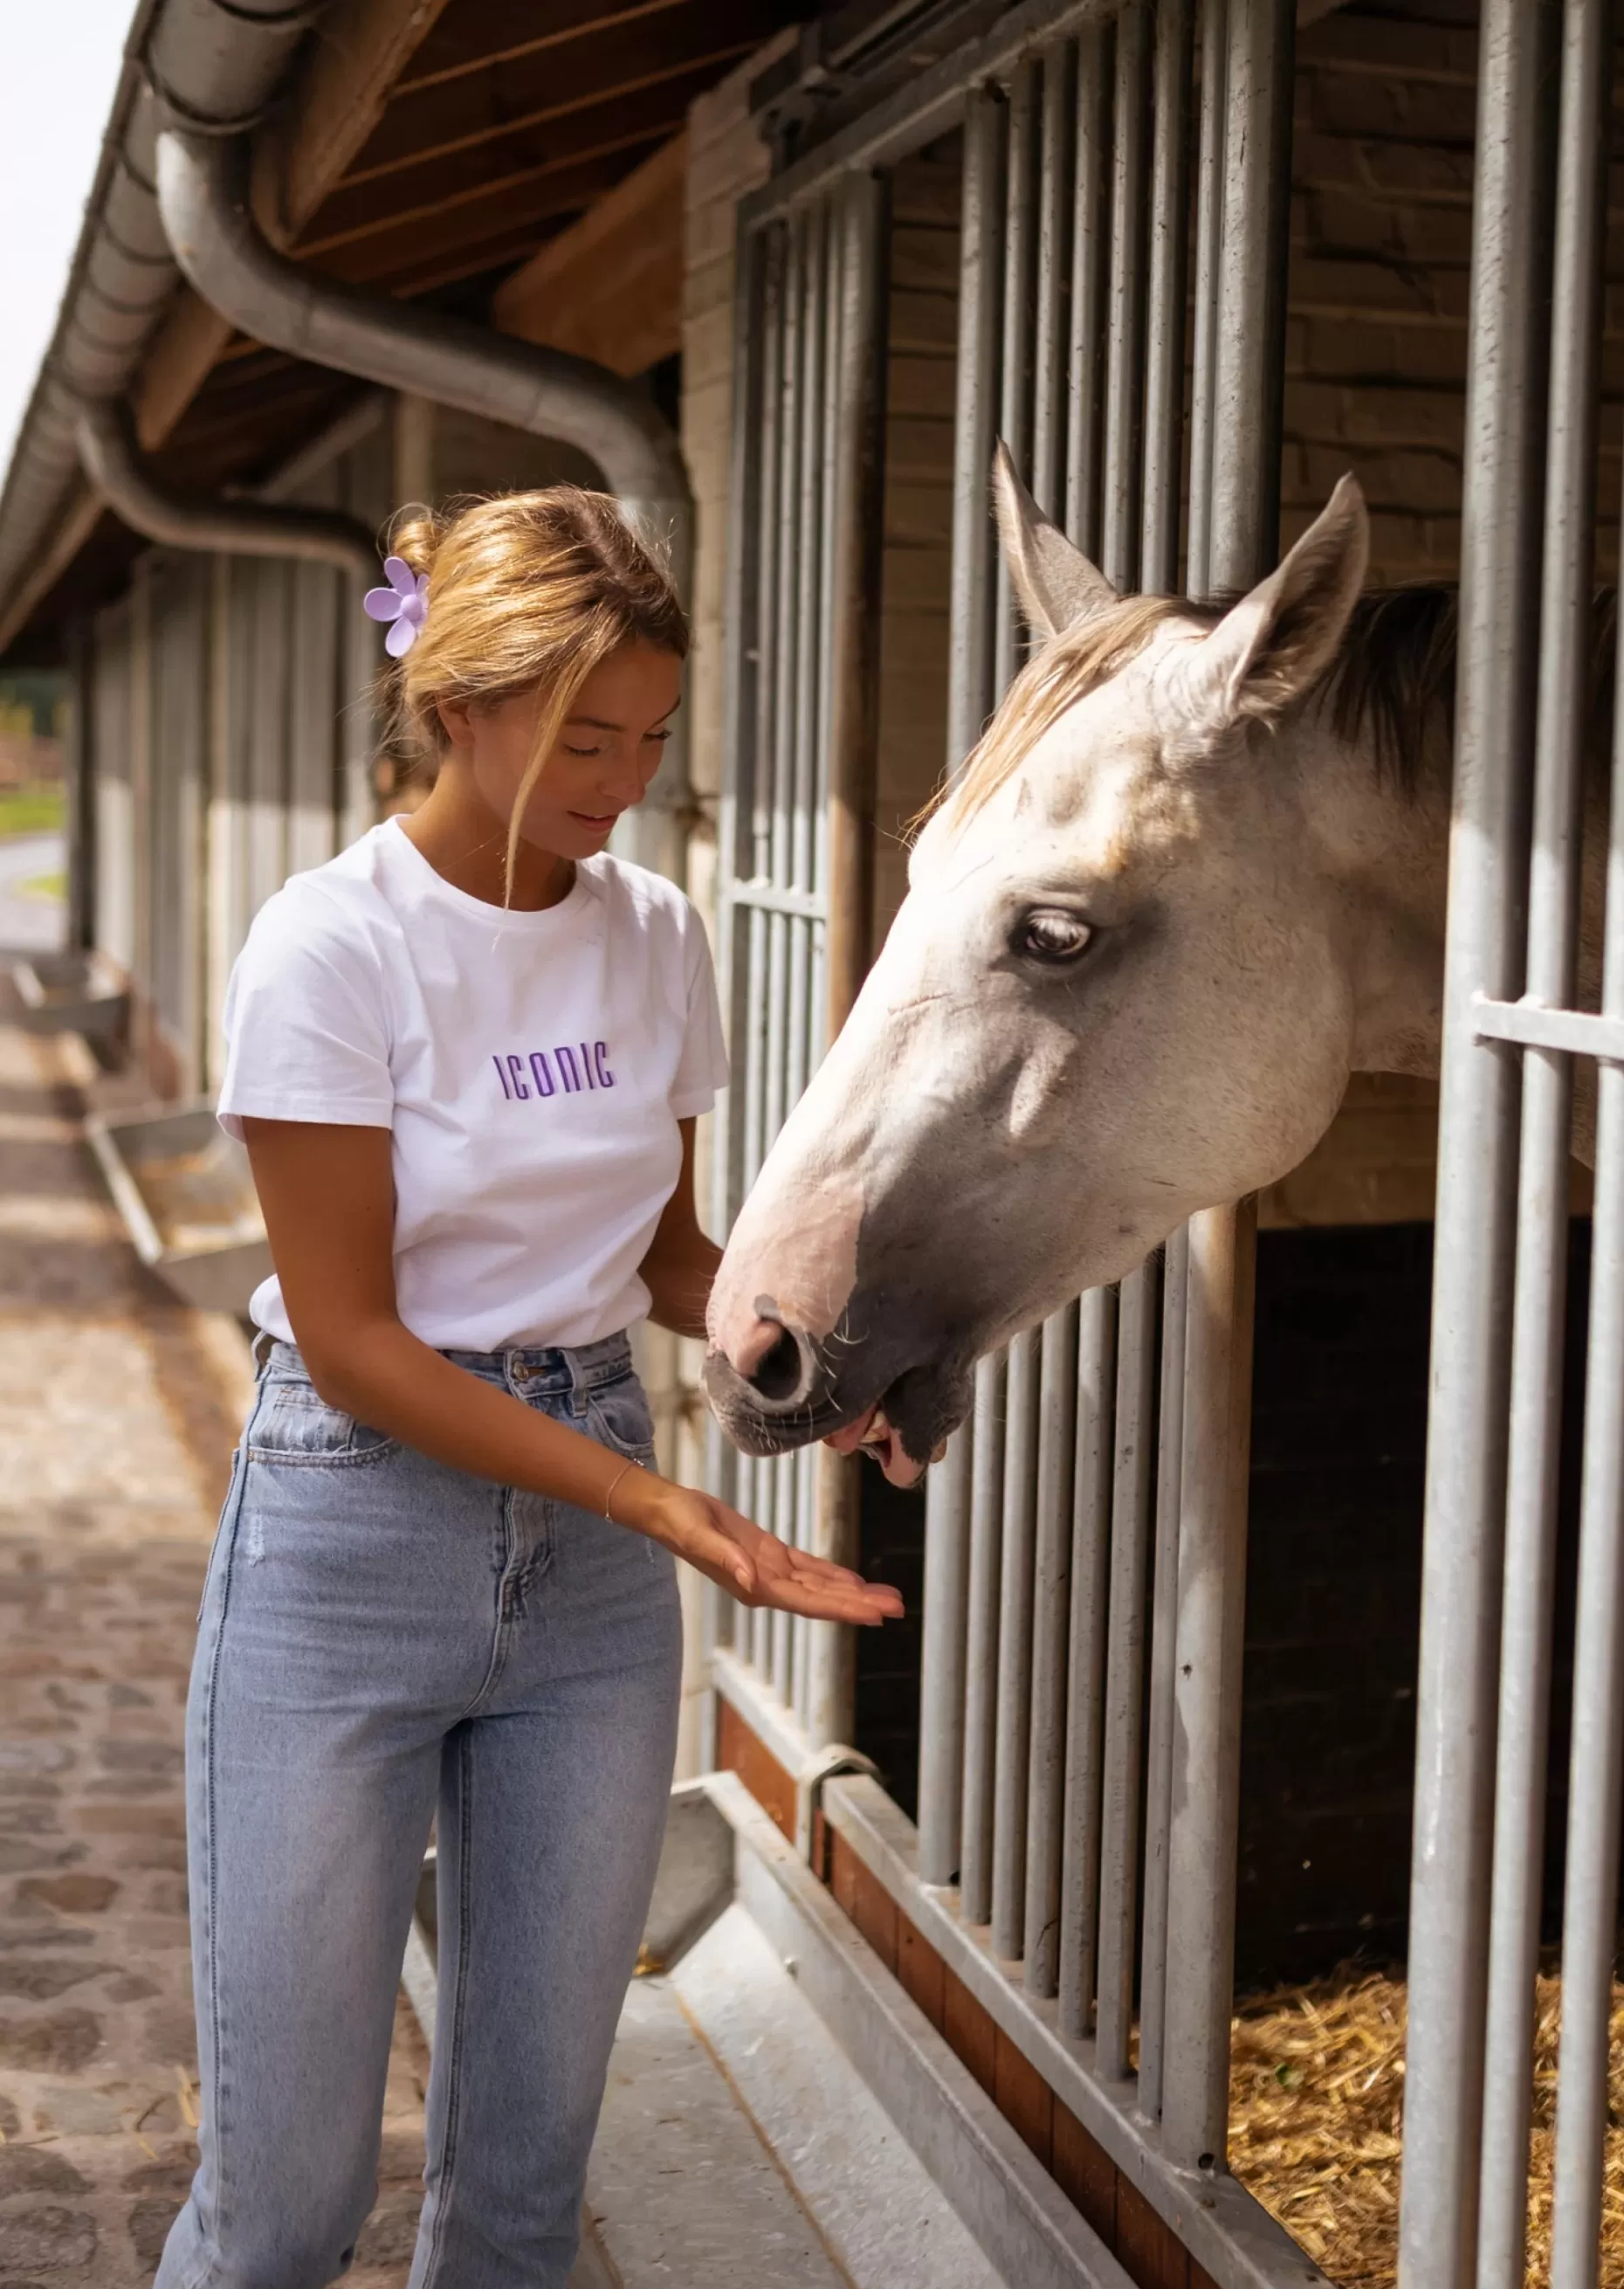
column 1057, row 584
column 1274, row 646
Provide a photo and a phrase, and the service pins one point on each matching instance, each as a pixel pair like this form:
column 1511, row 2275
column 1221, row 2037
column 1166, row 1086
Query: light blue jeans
column 382, row 1639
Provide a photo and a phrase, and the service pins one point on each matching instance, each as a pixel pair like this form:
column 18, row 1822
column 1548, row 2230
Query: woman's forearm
column 386, row 1378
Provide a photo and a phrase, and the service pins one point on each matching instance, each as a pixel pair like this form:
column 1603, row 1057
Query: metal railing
column 1507, row 1100
column 1074, row 1858
column 1085, row 1561
column 1087, row 1535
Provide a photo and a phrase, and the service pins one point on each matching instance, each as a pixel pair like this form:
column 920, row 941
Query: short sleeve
column 305, row 1032
column 703, row 1067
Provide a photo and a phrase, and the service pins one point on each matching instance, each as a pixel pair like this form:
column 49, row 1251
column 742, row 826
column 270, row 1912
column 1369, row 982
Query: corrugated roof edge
column 211, row 68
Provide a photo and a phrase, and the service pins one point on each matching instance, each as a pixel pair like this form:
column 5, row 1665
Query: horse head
column 1117, row 991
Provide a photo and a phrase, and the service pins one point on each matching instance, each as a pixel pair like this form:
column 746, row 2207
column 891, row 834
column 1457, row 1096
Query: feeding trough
column 80, row 993
column 185, row 1191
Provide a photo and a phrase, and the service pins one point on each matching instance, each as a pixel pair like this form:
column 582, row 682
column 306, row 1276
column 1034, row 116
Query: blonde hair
column 526, row 591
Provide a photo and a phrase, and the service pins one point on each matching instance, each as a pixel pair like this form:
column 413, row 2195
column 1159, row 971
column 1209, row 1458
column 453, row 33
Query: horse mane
column 1395, row 676
column 1389, row 689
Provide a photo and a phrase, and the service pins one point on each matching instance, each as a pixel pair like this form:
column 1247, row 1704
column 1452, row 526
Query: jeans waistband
column 544, row 1368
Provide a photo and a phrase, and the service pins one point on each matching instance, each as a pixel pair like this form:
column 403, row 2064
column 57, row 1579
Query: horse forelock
column 1055, row 678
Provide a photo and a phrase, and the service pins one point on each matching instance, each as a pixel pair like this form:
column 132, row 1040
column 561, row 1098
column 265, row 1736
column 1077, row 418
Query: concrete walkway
column 30, row 924
column 118, row 1412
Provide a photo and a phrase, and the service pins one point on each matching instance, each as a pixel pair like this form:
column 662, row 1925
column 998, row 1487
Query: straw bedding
column 1316, row 2098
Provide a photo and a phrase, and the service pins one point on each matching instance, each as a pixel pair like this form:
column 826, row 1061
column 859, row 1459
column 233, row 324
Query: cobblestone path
column 118, row 1412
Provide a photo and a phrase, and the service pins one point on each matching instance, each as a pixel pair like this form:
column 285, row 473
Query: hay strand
column 1315, row 2109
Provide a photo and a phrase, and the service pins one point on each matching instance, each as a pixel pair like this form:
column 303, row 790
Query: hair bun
column 414, row 533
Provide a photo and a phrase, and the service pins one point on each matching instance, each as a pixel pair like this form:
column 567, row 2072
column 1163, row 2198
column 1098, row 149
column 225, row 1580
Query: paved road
column 117, row 1416
column 27, row 924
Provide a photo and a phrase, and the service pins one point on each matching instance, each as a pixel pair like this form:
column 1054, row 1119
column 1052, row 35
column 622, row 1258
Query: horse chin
column 907, row 1428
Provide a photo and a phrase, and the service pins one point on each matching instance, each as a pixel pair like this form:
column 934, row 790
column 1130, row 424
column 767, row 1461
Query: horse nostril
column 782, row 1374
column 771, row 1356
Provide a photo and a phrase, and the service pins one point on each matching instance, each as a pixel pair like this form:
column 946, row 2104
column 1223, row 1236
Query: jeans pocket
column 621, row 1418
column 293, row 1423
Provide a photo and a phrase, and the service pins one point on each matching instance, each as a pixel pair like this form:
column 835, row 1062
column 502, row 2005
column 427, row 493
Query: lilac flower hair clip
column 405, row 602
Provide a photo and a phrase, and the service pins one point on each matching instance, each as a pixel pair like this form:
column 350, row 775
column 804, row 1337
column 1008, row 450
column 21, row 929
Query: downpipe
column 104, row 433
column 203, row 200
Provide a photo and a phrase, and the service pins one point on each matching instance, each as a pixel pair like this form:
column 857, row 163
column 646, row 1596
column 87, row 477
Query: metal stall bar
column 748, row 534
column 1122, row 490
column 810, row 980
column 942, row 1684
column 774, row 1477
column 980, row 306
column 1085, row 347
column 961, row 1606
column 1057, row 1351
column 1121, row 1775
column 1056, row 159
column 1047, row 1755
column 753, row 861
column 1096, row 1379
column 1590, row 1892
column 1163, row 1656
column 1539, row 1314
column 1247, row 369
column 1478, row 1135
column 1013, row 1727
column 855, row 539
column 1166, row 296
column 1020, row 1654
column 801, row 773
column 982, row 1641
column 1164, row 440
column 1124, row 342
column 1210, row 175
column 1020, row 257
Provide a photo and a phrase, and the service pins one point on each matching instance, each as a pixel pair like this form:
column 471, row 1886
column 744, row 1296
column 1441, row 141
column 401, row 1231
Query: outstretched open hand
column 755, row 1567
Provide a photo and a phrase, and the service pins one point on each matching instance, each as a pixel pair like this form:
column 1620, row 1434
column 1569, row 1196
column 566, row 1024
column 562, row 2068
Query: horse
column 1192, row 878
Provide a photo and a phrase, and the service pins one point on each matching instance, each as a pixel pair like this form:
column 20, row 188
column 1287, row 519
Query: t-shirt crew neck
column 433, row 888
column 532, row 1065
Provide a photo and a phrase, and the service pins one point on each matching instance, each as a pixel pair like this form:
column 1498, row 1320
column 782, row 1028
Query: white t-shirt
column 531, row 1067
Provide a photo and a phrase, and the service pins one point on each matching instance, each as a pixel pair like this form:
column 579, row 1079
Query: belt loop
column 264, row 1343
column 578, row 1383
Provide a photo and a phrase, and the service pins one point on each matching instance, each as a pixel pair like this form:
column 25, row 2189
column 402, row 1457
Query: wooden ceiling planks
column 452, row 200
column 498, row 32
column 472, row 132
column 506, row 104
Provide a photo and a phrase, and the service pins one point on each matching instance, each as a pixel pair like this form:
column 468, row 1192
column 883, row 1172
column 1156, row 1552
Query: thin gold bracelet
column 632, row 1466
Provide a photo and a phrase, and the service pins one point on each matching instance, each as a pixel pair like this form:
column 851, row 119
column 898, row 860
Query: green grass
column 29, row 809
column 46, row 886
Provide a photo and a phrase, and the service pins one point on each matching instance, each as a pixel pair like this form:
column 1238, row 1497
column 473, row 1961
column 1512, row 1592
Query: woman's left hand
column 750, row 1564
column 801, row 1583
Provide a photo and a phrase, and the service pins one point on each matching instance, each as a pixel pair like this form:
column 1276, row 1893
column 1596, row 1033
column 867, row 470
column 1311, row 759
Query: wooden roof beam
column 610, row 286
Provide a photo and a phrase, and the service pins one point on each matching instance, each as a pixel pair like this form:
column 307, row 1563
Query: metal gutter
column 104, row 435
column 204, row 198
column 203, row 192
column 218, row 63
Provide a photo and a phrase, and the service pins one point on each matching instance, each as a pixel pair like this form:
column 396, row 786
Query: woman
column 466, row 1058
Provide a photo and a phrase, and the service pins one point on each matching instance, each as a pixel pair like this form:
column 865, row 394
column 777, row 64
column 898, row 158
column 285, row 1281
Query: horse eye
column 1050, row 935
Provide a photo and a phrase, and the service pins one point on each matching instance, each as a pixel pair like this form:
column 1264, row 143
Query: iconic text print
column 558, row 1072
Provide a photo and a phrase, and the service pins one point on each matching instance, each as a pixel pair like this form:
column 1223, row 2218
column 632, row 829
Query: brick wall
column 1381, row 244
